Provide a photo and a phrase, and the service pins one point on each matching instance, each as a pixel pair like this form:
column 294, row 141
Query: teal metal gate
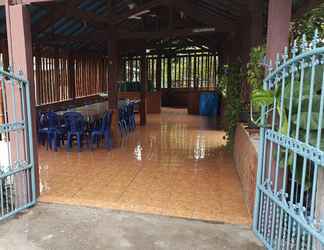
column 290, row 184
column 17, row 173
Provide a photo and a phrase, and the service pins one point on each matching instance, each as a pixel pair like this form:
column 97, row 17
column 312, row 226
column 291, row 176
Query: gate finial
column 277, row 60
column 294, row 49
column 304, row 44
column 285, row 55
column 315, row 39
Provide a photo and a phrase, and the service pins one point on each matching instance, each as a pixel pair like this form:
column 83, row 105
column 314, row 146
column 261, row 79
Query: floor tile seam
column 132, row 181
column 84, row 188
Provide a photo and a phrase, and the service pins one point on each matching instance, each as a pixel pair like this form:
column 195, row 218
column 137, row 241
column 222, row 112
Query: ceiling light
column 131, row 6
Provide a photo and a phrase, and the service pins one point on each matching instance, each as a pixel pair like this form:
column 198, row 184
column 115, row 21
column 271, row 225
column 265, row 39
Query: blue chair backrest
column 53, row 121
column 42, row 120
column 131, row 108
column 74, row 122
column 122, row 113
column 106, row 121
column 110, row 114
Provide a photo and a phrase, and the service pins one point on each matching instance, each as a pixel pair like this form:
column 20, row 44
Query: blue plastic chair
column 131, row 116
column 103, row 131
column 75, row 126
column 122, row 124
column 42, row 127
column 52, row 129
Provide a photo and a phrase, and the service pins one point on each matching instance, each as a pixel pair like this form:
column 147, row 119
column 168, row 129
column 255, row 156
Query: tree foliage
column 255, row 69
column 308, row 23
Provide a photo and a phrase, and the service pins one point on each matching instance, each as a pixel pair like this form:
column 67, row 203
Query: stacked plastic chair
column 131, row 116
column 127, row 121
column 122, row 123
column 104, row 131
column 42, row 127
column 51, row 129
column 75, row 126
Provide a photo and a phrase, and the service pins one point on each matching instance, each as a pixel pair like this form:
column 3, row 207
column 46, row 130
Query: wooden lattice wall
column 61, row 78
column 184, row 70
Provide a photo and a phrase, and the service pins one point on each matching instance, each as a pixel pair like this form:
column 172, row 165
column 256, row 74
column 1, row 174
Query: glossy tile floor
column 175, row 166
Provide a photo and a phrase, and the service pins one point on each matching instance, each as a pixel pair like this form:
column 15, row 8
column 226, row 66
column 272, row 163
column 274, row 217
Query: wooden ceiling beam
column 95, row 37
column 25, row 2
column 146, row 6
column 216, row 21
column 56, row 12
column 72, row 10
column 166, row 34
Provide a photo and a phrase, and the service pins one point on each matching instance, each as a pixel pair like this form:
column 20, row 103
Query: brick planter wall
column 246, row 162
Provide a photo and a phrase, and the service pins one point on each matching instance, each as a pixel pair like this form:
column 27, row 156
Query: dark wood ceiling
column 87, row 24
column 80, row 24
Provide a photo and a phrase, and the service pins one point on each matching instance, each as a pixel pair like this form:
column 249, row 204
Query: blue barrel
column 209, row 104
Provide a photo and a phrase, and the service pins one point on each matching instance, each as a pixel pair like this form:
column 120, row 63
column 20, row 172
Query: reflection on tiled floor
column 174, row 166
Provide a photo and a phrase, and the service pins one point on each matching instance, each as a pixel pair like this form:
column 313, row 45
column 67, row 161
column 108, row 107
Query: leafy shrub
column 230, row 85
column 255, row 69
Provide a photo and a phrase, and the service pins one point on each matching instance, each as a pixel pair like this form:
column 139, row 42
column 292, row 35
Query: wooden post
column 195, row 72
column 158, row 72
column 113, row 69
column 189, row 72
column 4, row 50
column 113, row 55
column 144, row 82
column 21, row 59
column 71, row 77
column 38, row 78
column 57, row 79
column 257, row 22
column 279, row 16
column 5, row 55
column 169, row 72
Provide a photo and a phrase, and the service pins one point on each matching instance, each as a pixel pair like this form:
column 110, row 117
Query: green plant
column 312, row 20
column 230, row 87
column 255, row 69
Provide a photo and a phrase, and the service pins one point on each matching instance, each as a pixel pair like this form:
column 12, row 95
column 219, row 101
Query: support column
column 195, row 78
column 279, row 16
column 4, row 51
column 71, row 75
column 257, row 23
column 113, row 69
column 21, row 59
column 5, row 56
column 169, row 72
column 144, row 82
column 158, row 73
